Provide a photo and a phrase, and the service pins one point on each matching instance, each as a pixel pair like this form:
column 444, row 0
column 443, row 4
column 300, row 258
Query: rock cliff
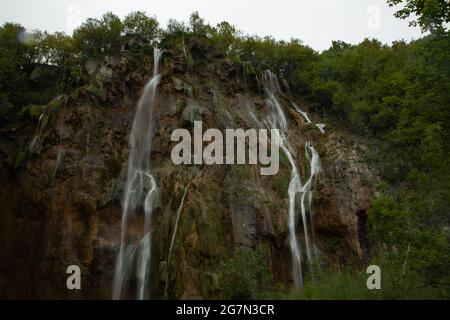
column 63, row 174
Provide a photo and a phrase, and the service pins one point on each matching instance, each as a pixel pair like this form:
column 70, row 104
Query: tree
column 99, row 36
column 20, row 51
column 224, row 36
column 197, row 23
column 432, row 15
column 55, row 48
column 15, row 58
column 139, row 24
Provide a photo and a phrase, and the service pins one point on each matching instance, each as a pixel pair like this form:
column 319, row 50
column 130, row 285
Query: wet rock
column 190, row 114
column 178, row 84
column 76, row 219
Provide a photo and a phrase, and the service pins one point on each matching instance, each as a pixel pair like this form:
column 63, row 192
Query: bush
column 245, row 275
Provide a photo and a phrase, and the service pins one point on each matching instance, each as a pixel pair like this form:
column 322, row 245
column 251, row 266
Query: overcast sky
column 316, row 22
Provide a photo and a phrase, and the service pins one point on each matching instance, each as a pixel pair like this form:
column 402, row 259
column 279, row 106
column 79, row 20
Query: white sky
column 316, row 22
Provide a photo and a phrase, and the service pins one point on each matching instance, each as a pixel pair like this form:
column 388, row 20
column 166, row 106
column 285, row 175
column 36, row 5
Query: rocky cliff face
column 61, row 194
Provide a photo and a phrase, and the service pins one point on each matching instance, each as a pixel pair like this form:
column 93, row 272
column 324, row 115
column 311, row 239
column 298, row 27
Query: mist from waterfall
column 139, row 195
column 276, row 119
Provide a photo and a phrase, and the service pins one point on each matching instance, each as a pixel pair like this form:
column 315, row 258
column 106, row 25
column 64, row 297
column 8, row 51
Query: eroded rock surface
column 61, row 204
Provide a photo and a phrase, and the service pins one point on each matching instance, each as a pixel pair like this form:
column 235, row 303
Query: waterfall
column 307, row 191
column 174, row 233
column 276, row 119
column 320, row 126
column 36, row 141
column 59, row 160
column 139, row 193
column 293, row 189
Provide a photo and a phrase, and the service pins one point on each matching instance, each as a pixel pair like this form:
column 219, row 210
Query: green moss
column 303, row 159
column 221, row 108
column 55, row 104
column 241, row 175
column 235, row 60
column 207, row 218
column 335, row 243
column 209, row 230
column 207, row 284
column 249, row 69
column 35, row 111
column 20, row 159
column 281, row 185
column 97, row 93
column 190, row 62
column 284, row 160
column 90, row 93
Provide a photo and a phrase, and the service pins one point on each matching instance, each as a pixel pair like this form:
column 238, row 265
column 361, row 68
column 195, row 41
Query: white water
column 294, row 187
column 307, row 190
column 174, row 233
column 320, row 126
column 277, row 119
column 37, row 136
column 59, row 159
column 139, row 193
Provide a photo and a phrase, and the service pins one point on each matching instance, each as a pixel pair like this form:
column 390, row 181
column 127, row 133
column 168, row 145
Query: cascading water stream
column 276, row 119
column 293, row 189
column 59, row 160
column 307, row 189
column 38, row 135
column 139, row 193
column 174, row 233
column 320, row 126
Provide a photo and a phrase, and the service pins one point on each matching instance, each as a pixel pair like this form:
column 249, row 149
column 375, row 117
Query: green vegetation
column 397, row 96
column 329, row 284
column 431, row 14
column 281, row 185
column 245, row 275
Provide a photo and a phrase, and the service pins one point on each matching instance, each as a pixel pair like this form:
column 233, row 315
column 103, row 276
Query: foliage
column 19, row 53
column 245, row 275
column 325, row 282
column 431, row 14
column 413, row 244
column 139, row 24
column 98, row 36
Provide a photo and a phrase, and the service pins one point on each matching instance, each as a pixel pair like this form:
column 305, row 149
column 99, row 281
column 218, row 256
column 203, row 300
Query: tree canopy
column 430, row 15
